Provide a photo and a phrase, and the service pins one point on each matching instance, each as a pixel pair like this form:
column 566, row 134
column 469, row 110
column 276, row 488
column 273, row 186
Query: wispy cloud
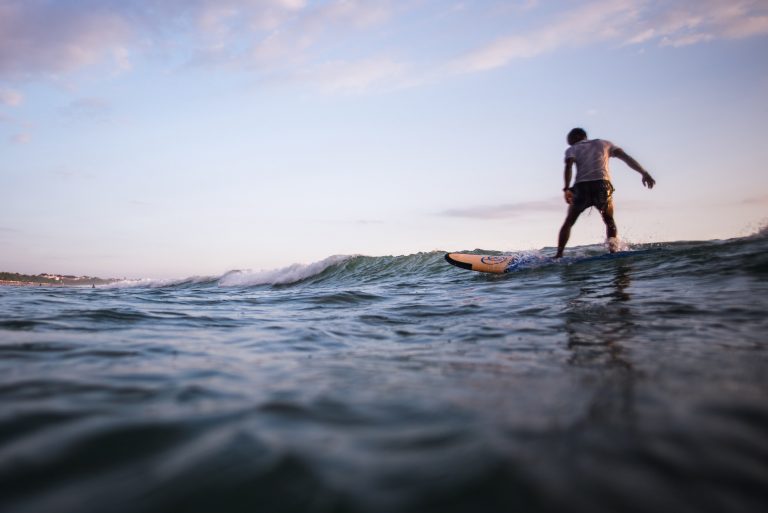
column 755, row 200
column 42, row 37
column 140, row 203
column 586, row 24
column 505, row 211
column 10, row 97
column 625, row 22
column 67, row 174
column 20, row 127
column 693, row 22
column 356, row 76
column 21, row 138
column 554, row 205
column 340, row 45
column 92, row 108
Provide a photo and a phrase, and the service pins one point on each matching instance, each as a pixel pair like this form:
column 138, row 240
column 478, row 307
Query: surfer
column 592, row 187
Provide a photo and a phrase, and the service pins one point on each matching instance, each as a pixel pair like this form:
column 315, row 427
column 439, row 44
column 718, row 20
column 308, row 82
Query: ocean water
column 396, row 384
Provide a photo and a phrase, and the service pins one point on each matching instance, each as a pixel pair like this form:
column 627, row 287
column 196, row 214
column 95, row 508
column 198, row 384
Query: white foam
column 290, row 274
column 614, row 244
column 157, row 283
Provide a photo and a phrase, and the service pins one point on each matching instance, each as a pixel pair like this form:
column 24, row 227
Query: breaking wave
column 431, row 265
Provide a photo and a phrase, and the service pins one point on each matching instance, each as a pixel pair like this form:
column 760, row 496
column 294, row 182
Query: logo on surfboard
column 491, row 260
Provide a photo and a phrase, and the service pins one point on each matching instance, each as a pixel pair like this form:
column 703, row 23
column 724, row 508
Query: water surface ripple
column 396, row 384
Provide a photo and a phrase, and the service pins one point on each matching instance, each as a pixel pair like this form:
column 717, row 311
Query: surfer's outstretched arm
column 620, row 154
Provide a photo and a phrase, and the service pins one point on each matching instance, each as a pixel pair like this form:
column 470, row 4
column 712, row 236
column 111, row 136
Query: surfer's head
column 576, row 135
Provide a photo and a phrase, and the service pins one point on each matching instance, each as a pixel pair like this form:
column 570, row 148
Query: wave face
column 380, row 384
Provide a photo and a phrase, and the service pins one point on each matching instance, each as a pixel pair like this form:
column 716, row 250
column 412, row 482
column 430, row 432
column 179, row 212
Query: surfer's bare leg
column 565, row 231
column 611, row 232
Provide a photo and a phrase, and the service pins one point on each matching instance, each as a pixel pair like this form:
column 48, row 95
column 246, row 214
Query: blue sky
column 168, row 138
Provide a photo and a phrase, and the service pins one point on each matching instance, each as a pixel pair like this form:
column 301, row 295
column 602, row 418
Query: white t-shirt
column 591, row 158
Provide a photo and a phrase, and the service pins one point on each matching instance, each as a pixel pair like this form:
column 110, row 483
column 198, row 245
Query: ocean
column 396, row 384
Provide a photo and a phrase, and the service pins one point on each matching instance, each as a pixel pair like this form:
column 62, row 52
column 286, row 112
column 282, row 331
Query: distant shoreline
column 13, row 283
column 8, row 279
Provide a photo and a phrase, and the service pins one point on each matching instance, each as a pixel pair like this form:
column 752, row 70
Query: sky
column 172, row 138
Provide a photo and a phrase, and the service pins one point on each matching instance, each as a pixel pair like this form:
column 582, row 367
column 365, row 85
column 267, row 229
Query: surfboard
column 497, row 264
column 501, row 264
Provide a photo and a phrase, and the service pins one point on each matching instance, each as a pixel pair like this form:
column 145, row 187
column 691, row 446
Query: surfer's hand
column 648, row 180
column 569, row 196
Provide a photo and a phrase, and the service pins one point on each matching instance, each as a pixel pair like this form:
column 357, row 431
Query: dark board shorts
column 596, row 193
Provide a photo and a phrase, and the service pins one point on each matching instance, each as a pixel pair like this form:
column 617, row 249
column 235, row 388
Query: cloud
column 505, row 211
column 46, row 37
column 49, row 38
column 686, row 40
column 624, row 22
column 356, row 76
column 314, row 40
column 92, row 108
column 10, row 97
column 554, row 205
column 21, row 127
column 755, row 200
column 21, row 138
column 692, row 22
column 587, row 24
column 139, row 203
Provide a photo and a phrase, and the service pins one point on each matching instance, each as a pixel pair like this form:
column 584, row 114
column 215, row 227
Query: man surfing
column 592, row 187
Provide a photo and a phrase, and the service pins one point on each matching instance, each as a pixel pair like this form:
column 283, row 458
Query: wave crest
column 161, row 283
column 287, row 275
column 358, row 269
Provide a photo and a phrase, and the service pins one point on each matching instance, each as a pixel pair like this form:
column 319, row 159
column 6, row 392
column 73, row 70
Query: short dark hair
column 576, row 135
